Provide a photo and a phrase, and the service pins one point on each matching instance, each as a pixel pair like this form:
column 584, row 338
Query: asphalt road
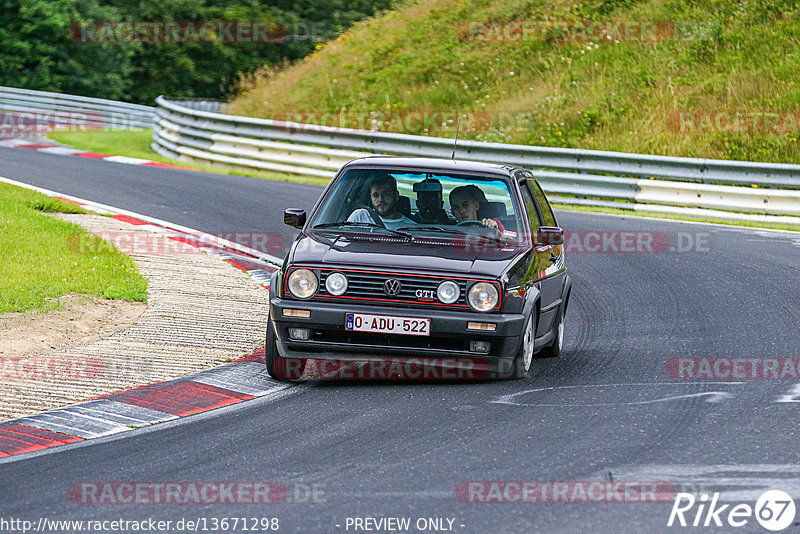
column 606, row 410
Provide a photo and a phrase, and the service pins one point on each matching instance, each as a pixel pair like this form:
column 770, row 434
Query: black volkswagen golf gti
column 421, row 262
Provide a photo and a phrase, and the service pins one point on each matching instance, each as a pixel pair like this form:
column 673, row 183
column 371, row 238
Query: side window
column 547, row 214
column 530, row 208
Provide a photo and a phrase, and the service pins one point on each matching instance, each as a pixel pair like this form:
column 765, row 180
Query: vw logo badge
column 391, row 286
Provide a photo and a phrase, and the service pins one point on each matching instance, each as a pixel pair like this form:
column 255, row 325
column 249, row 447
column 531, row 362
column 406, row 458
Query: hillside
column 715, row 79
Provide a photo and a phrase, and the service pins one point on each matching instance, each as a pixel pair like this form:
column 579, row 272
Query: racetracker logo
column 565, row 31
column 40, row 122
column 142, row 242
column 419, row 122
column 178, row 493
column 724, row 368
column 50, row 368
column 734, row 122
column 600, row 242
column 400, row 369
column 573, row 492
column 169, row 31
column 774, row 510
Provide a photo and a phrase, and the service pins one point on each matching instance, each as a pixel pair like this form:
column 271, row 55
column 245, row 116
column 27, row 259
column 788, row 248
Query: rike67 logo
column 774, row 510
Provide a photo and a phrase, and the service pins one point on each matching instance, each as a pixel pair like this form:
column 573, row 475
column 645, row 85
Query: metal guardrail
column 72, row 111
column 729, row 189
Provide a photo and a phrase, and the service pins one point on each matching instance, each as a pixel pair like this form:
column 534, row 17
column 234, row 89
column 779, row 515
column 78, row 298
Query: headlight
column 483, row 296
column 448, row 292
column 303, row 283
column 336, row 284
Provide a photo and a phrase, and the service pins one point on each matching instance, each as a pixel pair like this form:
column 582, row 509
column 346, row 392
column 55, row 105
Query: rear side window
column 548, row 219
column 530, row 208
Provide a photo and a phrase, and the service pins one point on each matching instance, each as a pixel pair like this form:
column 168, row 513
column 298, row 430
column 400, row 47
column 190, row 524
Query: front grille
column 367, row 287
column 370, row 286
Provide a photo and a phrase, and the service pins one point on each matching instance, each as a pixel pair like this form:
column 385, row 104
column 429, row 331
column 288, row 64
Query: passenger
column 466, row 200
column 430, row 203
column 383, row 195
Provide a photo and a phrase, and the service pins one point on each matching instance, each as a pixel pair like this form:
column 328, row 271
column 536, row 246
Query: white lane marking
column 714, row 396
column 735, row 483
column 61, row 150
column 127, row 159
column 792, row 396
column 17, row 142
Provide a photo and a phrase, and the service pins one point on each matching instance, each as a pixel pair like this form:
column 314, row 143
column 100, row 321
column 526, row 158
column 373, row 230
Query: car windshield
column 419, row 204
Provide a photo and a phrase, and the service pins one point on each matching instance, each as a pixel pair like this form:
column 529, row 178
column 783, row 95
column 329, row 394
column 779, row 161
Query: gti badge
column 425, row 295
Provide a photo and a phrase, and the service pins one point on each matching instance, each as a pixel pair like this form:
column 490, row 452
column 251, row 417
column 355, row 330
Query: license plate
column 387, row 324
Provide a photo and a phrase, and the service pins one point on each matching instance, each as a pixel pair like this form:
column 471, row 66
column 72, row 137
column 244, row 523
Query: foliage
column 607, row 94
column 37, row 50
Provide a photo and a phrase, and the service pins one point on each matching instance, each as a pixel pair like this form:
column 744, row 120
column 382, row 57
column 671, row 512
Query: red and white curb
column 227, row 384
column 15, row 142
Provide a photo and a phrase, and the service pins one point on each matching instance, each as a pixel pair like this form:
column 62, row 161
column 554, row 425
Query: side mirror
column 294, row 217
column 550, row 235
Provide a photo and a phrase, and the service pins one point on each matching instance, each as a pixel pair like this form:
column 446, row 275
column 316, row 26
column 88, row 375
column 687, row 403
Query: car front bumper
column 447, row 345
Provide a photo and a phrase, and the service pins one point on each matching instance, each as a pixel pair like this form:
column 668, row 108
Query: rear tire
column 281, row 368
column 554, row 349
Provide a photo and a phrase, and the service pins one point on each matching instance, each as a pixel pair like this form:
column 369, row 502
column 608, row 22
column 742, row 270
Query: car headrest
column 404, row 205
column 492, row 210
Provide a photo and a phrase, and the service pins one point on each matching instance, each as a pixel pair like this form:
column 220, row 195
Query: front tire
column 278, row 367
column 524, row 357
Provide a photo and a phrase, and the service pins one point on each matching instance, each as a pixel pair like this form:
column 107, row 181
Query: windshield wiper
column 499, row 241
column 324, row 226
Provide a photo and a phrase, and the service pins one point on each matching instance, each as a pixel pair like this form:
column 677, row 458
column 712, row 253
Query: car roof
column 431, row 164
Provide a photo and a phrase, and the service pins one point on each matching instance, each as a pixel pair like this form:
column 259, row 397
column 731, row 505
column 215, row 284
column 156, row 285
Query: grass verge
column 136, row 144
column 37, row 264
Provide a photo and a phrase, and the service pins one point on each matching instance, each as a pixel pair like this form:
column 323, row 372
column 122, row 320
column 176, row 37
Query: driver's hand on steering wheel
column 490, row 223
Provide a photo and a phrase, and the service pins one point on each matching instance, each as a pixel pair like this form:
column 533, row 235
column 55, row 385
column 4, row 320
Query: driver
column 465, row 201
column 383, row 195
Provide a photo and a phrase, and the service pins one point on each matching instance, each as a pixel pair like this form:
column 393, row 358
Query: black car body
column 397, row 274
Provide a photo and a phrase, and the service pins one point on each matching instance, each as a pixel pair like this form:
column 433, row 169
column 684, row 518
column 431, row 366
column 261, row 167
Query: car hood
column 397, row 255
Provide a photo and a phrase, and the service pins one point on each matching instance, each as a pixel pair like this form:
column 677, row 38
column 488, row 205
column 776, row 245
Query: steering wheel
column 372, row 213
column 471, row 222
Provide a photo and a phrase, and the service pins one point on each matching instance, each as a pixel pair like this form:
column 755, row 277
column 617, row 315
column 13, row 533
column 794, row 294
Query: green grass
column 724, row 56
column 38, row 265
column 136, row 144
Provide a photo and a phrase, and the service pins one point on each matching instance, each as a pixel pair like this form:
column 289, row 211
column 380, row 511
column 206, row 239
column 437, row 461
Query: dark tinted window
column 544, row 207
column 530, row 208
